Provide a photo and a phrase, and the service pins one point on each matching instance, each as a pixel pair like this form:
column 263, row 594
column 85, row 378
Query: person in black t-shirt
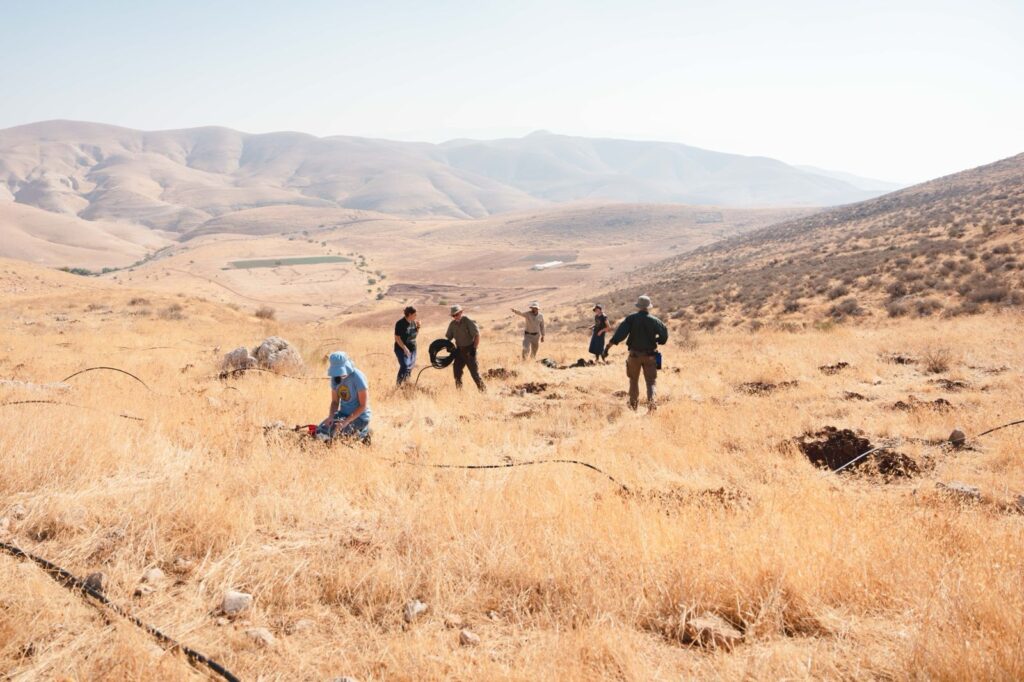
column 406, row 330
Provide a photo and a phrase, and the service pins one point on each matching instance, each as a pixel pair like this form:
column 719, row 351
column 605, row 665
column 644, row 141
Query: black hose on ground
column 437, row 360
column 959, row 442
column 55, row 402
column 74, row 583
column 110, row 369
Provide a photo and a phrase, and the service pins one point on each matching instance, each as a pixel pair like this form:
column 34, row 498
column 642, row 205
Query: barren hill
column 87, row 194
column 951, row 246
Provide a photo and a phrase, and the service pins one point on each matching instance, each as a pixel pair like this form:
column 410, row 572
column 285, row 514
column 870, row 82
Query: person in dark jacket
column 598, row 332
column 406, row 330
column 643, row 333
column 466, row 335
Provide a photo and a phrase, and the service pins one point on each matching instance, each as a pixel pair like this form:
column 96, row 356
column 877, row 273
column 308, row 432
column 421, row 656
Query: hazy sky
column 894, row 89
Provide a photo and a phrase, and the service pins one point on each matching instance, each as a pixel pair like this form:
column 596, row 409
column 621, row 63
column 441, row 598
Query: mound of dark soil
column 832, row 448
column 833, row 369
column 950, row 385
column 851, row 395
column 532, row 387
column 897, row 359
column 912, row 403
column 761, row 388
column 501, row 373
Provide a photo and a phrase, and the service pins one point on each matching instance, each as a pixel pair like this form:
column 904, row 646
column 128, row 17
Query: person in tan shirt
column 466, row 335
column 533, row 330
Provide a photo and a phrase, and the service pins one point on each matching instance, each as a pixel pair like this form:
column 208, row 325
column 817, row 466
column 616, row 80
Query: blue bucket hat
column 339, row 365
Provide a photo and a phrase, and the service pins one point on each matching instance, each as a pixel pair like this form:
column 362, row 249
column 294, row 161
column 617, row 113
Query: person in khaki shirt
column 533, row 331
column 466, row 335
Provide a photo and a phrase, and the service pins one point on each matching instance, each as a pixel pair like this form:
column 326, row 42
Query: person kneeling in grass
column 349, row 415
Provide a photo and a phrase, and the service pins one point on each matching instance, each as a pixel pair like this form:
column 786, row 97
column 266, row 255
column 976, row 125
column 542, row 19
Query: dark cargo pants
column 635, row 364
column 465, row 358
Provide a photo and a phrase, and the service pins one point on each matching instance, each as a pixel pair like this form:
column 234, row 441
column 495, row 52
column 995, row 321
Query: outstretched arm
column 622, row 332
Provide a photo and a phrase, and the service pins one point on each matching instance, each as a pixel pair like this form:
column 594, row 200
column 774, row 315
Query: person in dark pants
column 643, row 333
column 466, row 335
column 598, row 332
column 406, row 330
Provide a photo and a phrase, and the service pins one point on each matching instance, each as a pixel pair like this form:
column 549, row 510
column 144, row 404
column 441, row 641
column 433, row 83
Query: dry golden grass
column 560, row 576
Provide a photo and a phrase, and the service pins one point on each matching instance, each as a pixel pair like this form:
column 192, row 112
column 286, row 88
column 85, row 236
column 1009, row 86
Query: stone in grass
column 711, row 631
column 969, row 493
column 97, row 582
column 454, row 621
column 261, row 636
column 300, row 626
column 344, row 678
column 414, row 608
column 153, row 575
column 235, row 602
column 957, row 438
column 468, row 638
column 1020, row 503
column 144, row 590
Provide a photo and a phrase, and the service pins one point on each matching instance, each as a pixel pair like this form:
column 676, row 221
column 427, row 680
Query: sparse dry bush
column 265, row 313
column 936, row 360
column 174, row 311
column 138, row 300
column 848, row 307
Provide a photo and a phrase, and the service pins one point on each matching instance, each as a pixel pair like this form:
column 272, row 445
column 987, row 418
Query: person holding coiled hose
column 466, row 335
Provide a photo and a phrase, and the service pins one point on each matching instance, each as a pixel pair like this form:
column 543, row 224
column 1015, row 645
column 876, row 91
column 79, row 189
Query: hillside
column 716, row 551
column 71, row 192
column 950, row 246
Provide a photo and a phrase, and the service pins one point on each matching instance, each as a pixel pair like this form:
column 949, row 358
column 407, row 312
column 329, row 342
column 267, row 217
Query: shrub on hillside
column 175, row 311
column 266, row 313
column 848, row 307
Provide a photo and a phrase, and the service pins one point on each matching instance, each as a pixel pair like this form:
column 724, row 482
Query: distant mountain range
column 79, row 192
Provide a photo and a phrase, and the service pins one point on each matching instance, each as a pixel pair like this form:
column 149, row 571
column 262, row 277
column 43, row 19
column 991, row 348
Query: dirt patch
column 831, row 370
column 851, row 395
column 532, row 387
column 501, row 373
column 729, row 498
column 551, row 364
column 912, row 403
column 898, row 359
column 951, row 385
column 832, row 448
column 761, row 388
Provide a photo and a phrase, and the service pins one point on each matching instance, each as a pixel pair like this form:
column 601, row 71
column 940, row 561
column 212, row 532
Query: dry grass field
column 559, row 574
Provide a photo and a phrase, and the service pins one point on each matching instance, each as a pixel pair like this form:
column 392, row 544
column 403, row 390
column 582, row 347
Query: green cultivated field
column 278, row 262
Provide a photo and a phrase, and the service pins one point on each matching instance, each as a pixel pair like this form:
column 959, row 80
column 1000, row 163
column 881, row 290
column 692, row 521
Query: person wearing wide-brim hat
column 533, row 330
column 349, row 414
column 466, row 335
column 643, row 333
column 598, row 331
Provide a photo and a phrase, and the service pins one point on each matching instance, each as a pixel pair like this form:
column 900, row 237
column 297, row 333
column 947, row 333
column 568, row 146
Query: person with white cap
column 350, row 401
column 643, row 333
column 466, row 335
column 533, row 330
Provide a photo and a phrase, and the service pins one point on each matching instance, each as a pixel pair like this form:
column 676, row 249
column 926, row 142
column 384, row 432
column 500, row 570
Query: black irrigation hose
column 242, row 370
column 55, row 402
column 507, row 465
column 438, row 361
column 958, row 442
column 74, row 583
column 111, row 369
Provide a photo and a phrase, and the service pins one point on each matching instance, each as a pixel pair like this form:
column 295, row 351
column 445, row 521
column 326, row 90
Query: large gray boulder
column 277, row 355
column 239, row 358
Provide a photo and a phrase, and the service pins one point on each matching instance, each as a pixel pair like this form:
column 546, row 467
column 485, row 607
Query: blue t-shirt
column 348, row 393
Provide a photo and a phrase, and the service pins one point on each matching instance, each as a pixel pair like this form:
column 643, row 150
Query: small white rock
column 261, row 636
column 18, row 512
column 235, row 602
column 299, row 626
column 454, row 622
column 344, row 678
column 183, row 565
column 468, row 638
column 413, row 609
column 153, row 575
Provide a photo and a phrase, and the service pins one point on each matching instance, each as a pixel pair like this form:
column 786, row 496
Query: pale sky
column 899, row 90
